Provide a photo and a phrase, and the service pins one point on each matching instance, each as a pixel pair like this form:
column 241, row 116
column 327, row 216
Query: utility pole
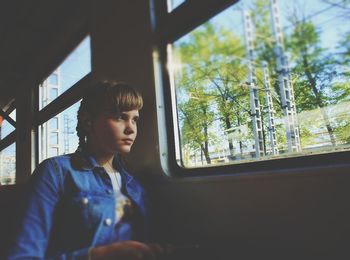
column 285, row 85
column 252, row 83
column 270, row 110
column 67, row 132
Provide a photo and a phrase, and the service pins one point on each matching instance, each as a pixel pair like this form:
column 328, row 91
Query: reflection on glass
column 58, row 136
column 75, row 67
column 8, row 165
column 263, row 80
column 5, row 127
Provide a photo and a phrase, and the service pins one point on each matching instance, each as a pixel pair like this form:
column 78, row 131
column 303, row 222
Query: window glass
column 5, row 127
column 260, row 82
column 172, row 4
column 75, row 67
column 58, row 135
column 8, row 165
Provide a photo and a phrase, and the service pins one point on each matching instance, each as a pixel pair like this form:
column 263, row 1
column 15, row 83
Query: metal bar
column 7, row 117
column 8, row 140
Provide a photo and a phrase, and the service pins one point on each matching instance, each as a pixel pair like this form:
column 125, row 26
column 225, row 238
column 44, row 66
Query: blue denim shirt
column 71, row 208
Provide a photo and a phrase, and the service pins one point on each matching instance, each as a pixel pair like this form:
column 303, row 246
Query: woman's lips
column 128, row 141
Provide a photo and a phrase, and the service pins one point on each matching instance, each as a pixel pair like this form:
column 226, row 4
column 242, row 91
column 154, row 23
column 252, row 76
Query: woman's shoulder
column 57, row 164
column 60, row 160
column 55, row 169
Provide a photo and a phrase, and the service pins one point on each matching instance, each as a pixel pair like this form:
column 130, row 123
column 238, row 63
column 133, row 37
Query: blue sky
column 329, row 20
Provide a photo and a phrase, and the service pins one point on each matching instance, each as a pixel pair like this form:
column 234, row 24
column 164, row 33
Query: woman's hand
column 127, row 250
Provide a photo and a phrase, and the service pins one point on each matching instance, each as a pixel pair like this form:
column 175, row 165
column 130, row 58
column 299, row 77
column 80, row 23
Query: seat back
column 11, row 200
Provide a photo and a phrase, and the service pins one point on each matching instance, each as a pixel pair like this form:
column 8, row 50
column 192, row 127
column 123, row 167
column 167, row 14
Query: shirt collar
column 83, row 160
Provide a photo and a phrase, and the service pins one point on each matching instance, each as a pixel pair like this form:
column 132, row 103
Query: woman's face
column 113, row 133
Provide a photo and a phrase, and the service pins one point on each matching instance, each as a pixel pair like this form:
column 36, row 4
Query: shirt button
column 109, row 191
column 85, row 201
column 108, row 222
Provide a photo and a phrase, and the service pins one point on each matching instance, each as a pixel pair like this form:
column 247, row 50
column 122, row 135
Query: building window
column 53, row 122
column 53, row 151
column 53, row 93
column 53, row 79
column 54, row 138
column 252, row 84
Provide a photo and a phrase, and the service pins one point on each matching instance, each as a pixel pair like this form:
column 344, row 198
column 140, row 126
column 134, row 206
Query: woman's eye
column 118, row 117
column 121, row 117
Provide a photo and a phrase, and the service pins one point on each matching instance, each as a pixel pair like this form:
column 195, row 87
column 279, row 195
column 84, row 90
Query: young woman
column 86, row 204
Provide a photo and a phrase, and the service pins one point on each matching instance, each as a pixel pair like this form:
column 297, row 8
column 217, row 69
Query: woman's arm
column 44, row 189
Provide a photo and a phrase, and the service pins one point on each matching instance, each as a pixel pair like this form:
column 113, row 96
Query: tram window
column 5, row 127
column 8, row 165
column 297, row 57
column 75, row 67
column 58, row 136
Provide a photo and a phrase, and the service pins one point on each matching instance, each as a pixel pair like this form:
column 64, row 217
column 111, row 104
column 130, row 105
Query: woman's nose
column 130, row 127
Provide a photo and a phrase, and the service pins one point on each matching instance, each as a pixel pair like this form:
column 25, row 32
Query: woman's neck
column 104, row 159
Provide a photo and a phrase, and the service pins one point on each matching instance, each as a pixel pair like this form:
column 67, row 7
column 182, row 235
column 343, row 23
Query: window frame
column 169, row 27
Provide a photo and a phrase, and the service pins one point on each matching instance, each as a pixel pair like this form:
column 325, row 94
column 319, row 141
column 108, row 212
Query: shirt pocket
column 90, row 209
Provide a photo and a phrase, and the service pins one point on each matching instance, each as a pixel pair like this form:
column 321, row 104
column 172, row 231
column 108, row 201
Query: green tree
column 196, row 117
column 212, row 55
column 315, row 69
column 341, row 88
